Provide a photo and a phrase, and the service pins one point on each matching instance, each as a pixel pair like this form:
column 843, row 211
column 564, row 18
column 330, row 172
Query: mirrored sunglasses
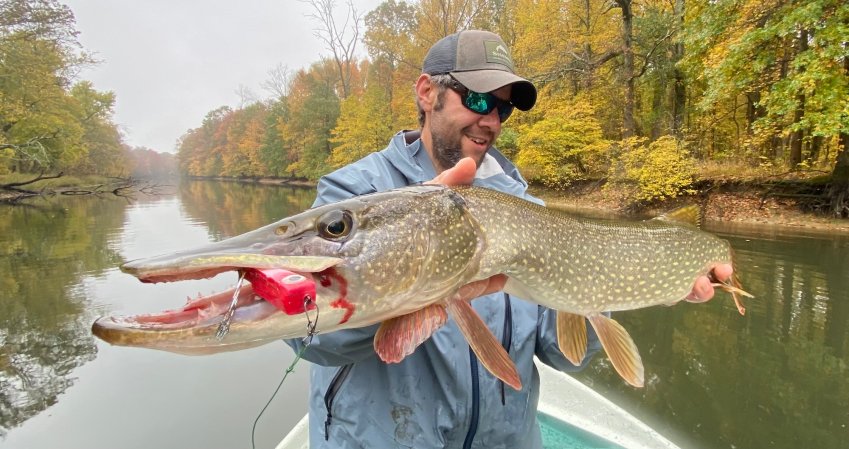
column 482, row 103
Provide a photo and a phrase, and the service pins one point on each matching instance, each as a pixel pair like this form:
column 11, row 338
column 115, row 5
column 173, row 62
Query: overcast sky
column 170, row 62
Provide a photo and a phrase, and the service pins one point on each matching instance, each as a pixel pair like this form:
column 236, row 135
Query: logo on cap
column 497, row 53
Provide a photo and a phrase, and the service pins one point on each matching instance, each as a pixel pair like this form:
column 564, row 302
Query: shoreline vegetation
column 782, row 203
column 661, row 101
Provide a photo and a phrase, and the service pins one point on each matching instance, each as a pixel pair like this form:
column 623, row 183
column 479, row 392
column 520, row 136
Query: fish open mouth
column 271, row 285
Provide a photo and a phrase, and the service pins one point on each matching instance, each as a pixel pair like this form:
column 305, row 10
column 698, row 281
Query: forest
column 656, row 95
column 50, row 120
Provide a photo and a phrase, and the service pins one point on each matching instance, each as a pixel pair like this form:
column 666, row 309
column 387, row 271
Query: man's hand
column 703, row 290
column 463, row 173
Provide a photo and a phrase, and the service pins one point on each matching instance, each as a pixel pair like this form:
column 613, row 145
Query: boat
column 571, row 416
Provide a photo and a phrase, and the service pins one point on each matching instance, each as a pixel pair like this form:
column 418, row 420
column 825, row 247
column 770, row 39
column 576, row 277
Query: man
column 440, row 396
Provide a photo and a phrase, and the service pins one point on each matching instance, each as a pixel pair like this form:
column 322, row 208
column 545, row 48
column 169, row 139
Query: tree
column 364, row 126
column 313, row 111
column 564, row 144
column 340, row 39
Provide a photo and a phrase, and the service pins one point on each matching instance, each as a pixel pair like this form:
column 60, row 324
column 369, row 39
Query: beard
column 445, row 138
column 446, row 151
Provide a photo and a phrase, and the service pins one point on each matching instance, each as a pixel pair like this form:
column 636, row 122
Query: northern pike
column 399, row 258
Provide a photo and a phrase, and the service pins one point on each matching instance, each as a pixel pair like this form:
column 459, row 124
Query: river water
column 775, row 378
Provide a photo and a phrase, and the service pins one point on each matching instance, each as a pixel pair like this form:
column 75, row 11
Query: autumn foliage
column 637, row 92
column 626, row 87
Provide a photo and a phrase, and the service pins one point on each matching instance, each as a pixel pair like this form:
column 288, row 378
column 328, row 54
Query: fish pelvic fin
column 398, row 337
column 620, row 348
column 489, row 351
column 572, row 336
column 690, row 214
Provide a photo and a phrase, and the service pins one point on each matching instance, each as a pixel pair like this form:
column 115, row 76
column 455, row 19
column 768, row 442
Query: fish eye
column 335, row 225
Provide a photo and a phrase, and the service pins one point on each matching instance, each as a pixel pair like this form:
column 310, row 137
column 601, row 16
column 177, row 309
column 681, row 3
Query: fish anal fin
column 398, row 337
column 690, row 214
column 572, row 336
column 489, row 351
column 620, row 348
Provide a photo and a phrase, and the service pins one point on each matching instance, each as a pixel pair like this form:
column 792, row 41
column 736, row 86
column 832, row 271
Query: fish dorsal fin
column 398, row 337
column 620, row 348
column 690, row 214
column 489, row 351
column 572, row 336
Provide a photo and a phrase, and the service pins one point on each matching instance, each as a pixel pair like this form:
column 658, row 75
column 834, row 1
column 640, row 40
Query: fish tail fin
column 734, row 287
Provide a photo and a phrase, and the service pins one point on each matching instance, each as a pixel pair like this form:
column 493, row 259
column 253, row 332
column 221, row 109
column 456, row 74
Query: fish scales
column 584, row 265
column 399, row 258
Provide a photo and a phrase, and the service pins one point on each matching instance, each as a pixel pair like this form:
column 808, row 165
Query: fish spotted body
column 399, row 258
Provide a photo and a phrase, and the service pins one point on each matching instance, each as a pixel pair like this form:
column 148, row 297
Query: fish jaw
column 394, row 260
column 191, row 329
column 267, row 247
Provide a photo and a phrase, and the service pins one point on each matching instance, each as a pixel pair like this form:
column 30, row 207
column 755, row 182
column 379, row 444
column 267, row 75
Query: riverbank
column 744, row 205
column 740, row 203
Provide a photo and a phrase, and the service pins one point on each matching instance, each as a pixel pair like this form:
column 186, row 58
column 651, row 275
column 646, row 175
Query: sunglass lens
column 504, row 111
column 480, row 103
column 484, row 103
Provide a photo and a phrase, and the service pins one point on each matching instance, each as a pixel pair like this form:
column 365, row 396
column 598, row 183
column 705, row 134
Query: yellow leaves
column 565, row 143
column 363, row 127
column 660, row 170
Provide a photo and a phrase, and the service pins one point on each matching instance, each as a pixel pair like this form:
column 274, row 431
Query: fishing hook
column 224, row 326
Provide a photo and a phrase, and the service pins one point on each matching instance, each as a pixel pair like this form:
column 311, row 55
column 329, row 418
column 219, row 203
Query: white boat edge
column 566, row 399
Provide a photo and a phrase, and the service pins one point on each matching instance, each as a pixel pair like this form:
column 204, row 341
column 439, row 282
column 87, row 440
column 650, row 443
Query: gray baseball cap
column 481, row 61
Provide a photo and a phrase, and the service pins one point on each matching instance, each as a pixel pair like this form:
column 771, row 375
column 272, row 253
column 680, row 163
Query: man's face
column 458, row 132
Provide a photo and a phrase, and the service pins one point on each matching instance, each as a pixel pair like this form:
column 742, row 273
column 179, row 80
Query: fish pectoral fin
column 620, row 348
column 572, row 336
column 398, row 337
column 489, row 351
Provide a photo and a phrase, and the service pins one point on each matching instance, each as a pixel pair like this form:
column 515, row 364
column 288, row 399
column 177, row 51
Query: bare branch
column 279, row 80
column 340, row 40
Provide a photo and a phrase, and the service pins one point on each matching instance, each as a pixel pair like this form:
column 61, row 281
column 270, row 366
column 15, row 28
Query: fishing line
column 306, row 341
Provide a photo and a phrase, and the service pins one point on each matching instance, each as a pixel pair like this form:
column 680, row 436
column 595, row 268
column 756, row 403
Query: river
column 775, row 378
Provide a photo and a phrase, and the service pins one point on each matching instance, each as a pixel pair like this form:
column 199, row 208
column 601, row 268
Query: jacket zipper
column 507, row 336
column 473, row 427
column 332, row 390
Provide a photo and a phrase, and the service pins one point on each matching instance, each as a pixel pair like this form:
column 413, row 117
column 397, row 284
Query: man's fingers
column 722, row 273
column 483, row 287
column 702, row 290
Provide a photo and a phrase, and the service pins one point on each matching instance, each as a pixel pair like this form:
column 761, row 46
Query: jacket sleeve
column 547, row 349
column 349, row 345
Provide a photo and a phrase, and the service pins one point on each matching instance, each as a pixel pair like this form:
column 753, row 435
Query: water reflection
column 50, row 251
column 44, row 251
column 233, row 209
column 774, row 378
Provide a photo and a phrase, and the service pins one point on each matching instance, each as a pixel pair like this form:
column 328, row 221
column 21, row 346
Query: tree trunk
column 628, row 123
column 798, row 136
column 679, row 91
column 839, row 191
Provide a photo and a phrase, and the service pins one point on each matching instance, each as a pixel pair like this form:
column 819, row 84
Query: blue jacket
column 439, row 396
